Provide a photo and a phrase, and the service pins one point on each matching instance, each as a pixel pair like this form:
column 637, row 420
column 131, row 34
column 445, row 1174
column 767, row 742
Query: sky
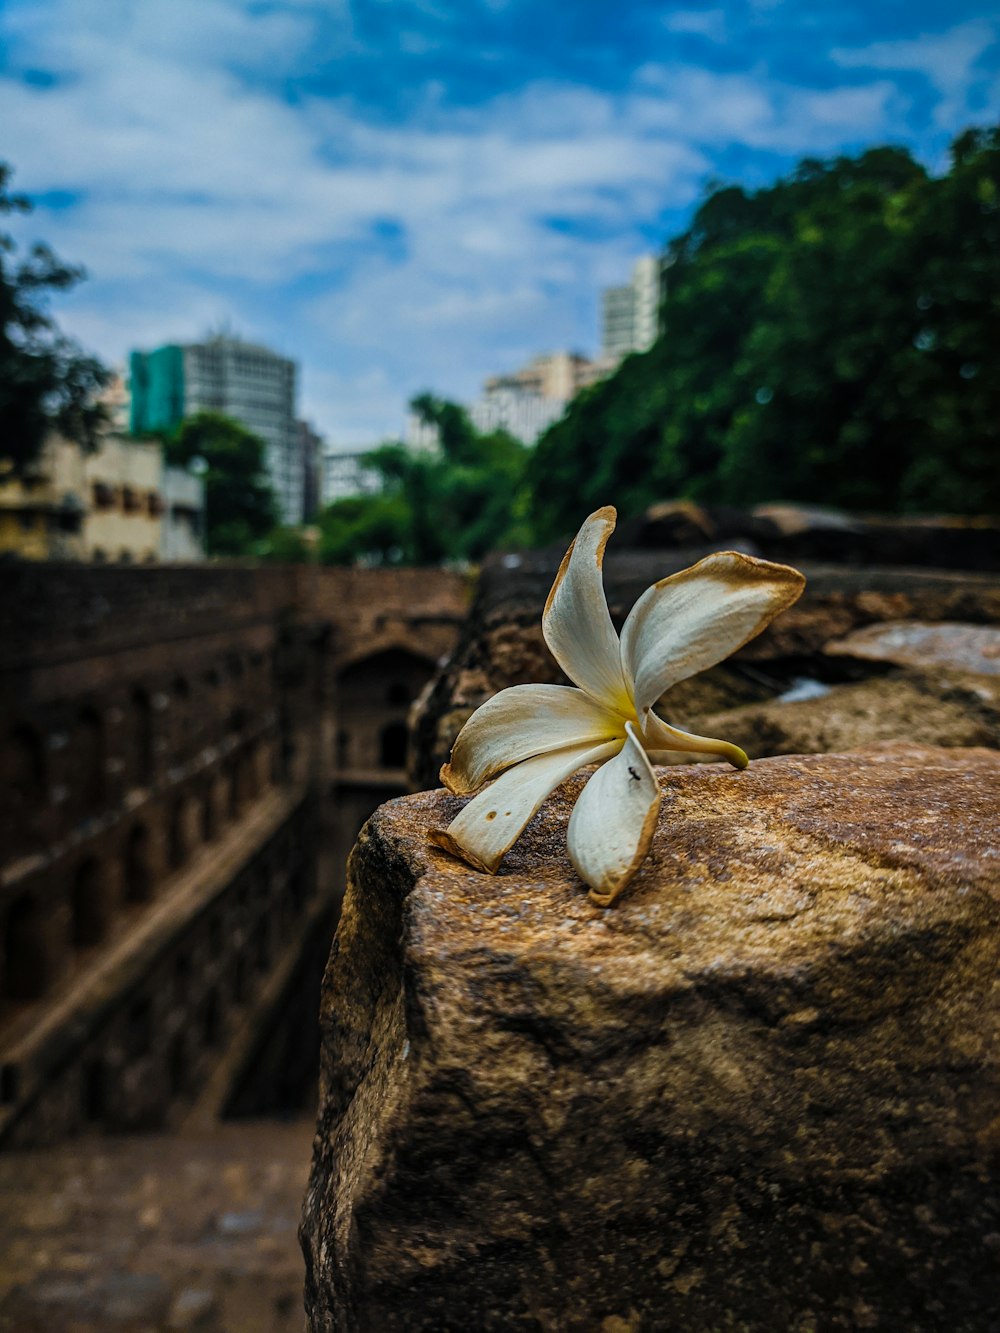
column 407, row 195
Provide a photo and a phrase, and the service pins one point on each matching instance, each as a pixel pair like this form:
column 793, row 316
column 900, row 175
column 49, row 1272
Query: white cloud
column 947, row 60
column 710, row 23
column 205, row 194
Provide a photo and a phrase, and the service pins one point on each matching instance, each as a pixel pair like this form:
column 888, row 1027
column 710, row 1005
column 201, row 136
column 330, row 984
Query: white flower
column 530, row 738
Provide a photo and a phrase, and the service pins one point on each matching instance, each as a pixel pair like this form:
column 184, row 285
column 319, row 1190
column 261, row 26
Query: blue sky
column 411, row 194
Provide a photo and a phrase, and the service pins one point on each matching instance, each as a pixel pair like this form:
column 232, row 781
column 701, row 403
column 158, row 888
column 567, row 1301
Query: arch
column 94, row 1089
column 137, row 877
column 89, row 754
column 88, row 907
column 211, row 1019
column 27, row 969
column 177, row 843
column 393, row 744
column 208, row 815
column 144, row 736
column 25, row 767
column 178, row 1066
column 373, row 697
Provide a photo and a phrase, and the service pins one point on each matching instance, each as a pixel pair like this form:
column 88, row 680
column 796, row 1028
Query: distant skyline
column 417, row 194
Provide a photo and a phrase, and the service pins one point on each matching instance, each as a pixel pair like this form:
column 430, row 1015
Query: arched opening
column 93, row 1090
column 208, row 816
column 90, row 760
column 373, row 699
column 233, row 788
column 211, row 1019
column 137, row 876
column 144, row 742
column 240, row 980
column 392, row 742
column 26, row 970
column 177, row 1066
column 88, row 906
column 177, row 848
column 25, row 768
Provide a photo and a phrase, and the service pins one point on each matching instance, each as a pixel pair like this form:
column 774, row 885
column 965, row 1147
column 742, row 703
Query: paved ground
column 156, row 1233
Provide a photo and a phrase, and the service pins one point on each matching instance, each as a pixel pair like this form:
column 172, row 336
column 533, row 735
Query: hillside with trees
column 831, row 339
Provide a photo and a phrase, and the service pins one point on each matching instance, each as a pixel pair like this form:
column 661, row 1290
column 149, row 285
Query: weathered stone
column 759, row 1094
column 947, row 709
column 501, row 643
column 959, row 647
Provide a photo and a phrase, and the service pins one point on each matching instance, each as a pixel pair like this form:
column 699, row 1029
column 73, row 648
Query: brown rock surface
column 759, row 1094
column 948, row 709
column 959, row 647
column 502, row 645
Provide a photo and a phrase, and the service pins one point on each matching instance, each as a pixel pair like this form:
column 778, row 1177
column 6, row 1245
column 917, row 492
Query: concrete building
column 252, row 384
column 120, row 503
column 526, row 402
column 630, row 314
column 182, row 525
column 345, row 475
column 311, row 454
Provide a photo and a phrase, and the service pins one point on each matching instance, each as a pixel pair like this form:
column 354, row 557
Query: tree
column 456, row 502
column 828, row 339
column 46, row 381
column 240, row 508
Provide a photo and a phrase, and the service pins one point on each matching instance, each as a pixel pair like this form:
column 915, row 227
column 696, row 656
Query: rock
column 951, row 710
column 960, row 647
column 502, row 644
column 759, row 1094
column 192, row 1310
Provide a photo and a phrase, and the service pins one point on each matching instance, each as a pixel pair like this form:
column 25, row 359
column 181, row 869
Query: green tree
column 455, row 502
column 46, row 381
column 240, row 508
column 830, row 339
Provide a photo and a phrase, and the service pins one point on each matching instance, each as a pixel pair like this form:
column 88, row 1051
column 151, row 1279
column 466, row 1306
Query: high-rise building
column 345, row 475
column 631, row 313
column 311, row 454
column 250, row 383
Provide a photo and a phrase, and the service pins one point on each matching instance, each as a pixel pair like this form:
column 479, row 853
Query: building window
column 131, row 500
column 103, row 495
column 154, row 504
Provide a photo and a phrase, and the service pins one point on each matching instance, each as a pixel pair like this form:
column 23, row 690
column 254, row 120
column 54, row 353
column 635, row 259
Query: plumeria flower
column 528, row 739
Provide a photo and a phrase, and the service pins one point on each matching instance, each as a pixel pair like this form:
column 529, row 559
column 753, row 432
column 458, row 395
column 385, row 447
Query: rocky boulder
column 948, row 708
column 761, row 1093
column 502, row 644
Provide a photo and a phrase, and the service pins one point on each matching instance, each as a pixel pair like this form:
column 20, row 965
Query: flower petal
column 493, row 820
column 659, row 736
column 520, row 722
column 613, row 821
column 576, row 622
column 694, row 619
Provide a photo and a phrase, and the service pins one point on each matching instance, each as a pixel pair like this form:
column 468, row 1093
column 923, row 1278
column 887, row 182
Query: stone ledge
column 757, row 1094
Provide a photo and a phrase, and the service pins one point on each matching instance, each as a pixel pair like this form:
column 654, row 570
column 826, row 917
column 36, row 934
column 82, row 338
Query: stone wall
column 177, row 806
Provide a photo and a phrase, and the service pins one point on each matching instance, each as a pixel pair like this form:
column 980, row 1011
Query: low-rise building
column 119, row 503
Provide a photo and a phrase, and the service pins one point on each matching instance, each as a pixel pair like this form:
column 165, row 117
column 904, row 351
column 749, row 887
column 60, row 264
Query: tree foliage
column 240, row 508
column 46, row 381
column 453, row 503
column 833, row 339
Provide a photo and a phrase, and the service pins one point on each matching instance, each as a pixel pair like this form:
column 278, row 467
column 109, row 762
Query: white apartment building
column 256, row 387
column 630, row 314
